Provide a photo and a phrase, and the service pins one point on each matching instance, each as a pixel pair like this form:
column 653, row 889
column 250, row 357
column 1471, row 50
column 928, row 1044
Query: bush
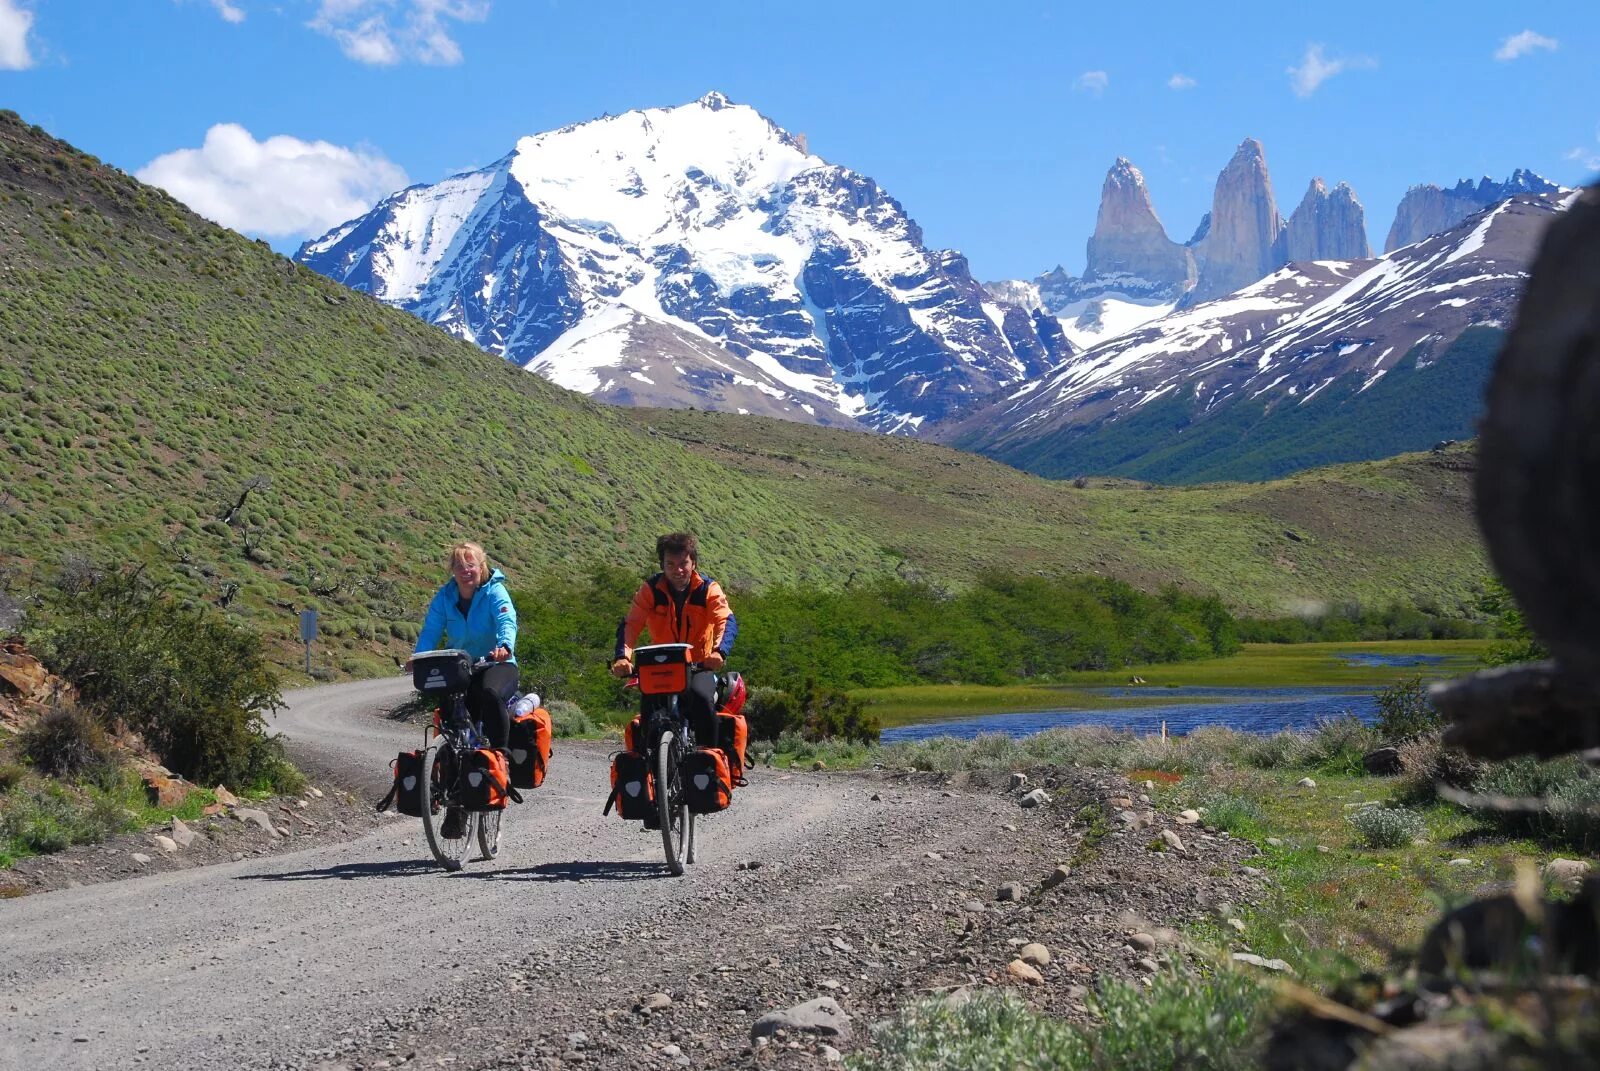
column 1426, row 763
column 1387, row 827
column 1563, row 799
column 68, row 742
column 568, row 719
column 187, row 680
column 770, row 712
column 1238, row 815
column 49, row 818
column 1405, row 711
column 1339, row 744
column 1199, row 1023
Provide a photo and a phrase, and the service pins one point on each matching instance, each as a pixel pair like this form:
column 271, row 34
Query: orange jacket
column 706, row 621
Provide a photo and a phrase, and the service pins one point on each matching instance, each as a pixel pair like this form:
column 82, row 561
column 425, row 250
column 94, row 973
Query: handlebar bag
column 707, row 782
column 485, row 778
column 441, row 671
column 632, row 787
column 663, row 668
column 529, row 744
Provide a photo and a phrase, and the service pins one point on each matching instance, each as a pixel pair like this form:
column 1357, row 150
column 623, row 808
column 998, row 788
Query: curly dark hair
column 677, row 543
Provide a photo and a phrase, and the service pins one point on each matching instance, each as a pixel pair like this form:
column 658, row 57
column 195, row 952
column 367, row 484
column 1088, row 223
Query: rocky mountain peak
column 1129, row 239
column 1428, row 209
column 1327, row 226
column 1245, row 239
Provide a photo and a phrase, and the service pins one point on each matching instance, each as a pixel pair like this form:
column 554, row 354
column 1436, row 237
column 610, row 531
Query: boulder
column 821, row 1017
column 1024, row 972
column 164, row 791
column 1037, row 798
column 182, row 835
column 1566, row 873
column 1034, row 953
column 1382, row 762
column 226, row 798
column 257, row 818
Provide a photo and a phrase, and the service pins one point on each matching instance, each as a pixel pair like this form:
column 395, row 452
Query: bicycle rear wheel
column 438, row 791
column 489, row 833
column 677, row 824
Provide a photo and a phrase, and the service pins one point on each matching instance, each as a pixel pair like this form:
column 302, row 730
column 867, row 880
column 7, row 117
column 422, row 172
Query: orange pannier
column 707, row 781
column 529, row 744
column 632, row 787
column 485, row 780
column 733, row 736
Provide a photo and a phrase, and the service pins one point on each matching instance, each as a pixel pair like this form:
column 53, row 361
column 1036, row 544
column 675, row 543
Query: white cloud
column 15, row 22
column 1518, row 45
column 278, row 188
column 1589, row 158
column 228, row 11
column 1315, row 68
column 1180, row 81
column 1092, row 82
column 386, row 32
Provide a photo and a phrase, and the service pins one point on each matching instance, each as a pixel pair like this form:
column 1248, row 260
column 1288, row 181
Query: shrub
column 1425, row 763
column 1404, row 711
column 1387, row 827
column 49, row 817
column 1238, row 815
column 1564, row 797
column 187, row 680
column 1200, row 1023
column 771, row 712
column 1339, row 744
column 67, row 741
column 568, row 719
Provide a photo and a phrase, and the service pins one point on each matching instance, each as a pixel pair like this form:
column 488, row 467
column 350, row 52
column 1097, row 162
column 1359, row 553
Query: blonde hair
column 469, row 552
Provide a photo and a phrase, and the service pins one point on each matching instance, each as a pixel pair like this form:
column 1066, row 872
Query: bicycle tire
column 451, row 852
column 489, row 833
column 670, row 808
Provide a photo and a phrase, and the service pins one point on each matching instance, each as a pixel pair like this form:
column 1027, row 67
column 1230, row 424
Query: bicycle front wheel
column 676, row 821
column 449, row 836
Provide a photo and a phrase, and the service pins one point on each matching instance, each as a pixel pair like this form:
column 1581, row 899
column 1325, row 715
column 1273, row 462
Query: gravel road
column 363, row 954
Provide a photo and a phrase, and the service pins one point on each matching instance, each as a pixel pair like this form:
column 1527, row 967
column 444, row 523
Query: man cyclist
column 679, row 605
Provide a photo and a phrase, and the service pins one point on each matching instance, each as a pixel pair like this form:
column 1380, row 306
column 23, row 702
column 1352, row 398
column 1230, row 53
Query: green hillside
column 1172, row 441
column 157, row 367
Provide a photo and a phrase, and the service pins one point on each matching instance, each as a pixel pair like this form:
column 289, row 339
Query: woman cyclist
column 474, row 610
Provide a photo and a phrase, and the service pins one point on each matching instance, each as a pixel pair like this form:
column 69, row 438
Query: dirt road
column 364, row 954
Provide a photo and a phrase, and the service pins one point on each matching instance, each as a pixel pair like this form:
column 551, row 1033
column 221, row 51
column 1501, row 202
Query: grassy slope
column 154, row 364
column 1410, row 408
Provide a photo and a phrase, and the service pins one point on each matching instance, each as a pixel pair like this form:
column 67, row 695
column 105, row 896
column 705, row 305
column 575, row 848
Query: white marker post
column 308, row 632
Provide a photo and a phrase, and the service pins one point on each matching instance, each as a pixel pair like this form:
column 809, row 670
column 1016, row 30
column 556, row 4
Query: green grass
column 1258, row 665
column 159, row 367
column 40, row 815
column 1352, row 908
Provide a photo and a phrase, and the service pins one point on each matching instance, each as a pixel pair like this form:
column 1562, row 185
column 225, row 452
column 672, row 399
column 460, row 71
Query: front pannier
column 485, row 780
column 441, row 671
column 707, row 784
column 529, row 744
column 632, row 787
column 406, row 792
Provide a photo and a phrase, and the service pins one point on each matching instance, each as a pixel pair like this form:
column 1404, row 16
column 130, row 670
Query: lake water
column 1265, row 710
column 1249, row 710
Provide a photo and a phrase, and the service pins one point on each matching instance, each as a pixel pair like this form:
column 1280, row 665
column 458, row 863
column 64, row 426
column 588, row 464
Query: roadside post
column 308, row 632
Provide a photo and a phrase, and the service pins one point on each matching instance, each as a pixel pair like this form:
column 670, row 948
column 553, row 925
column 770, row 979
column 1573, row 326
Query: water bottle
column 524, row 704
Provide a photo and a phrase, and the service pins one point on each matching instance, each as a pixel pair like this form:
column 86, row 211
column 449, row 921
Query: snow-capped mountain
column 1219, row 388
column 696, row 255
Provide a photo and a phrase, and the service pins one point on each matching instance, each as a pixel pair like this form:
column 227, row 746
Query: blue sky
column 992, row 123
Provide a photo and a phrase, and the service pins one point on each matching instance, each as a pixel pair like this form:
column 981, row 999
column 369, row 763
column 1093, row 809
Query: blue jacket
column 490, row 622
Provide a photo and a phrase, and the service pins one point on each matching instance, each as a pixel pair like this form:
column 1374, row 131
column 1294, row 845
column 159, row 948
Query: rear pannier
column 406, row 792
column 529, row 744
column 485, row 780
column 632, row 787
column 707, row 784
column 733, row 737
